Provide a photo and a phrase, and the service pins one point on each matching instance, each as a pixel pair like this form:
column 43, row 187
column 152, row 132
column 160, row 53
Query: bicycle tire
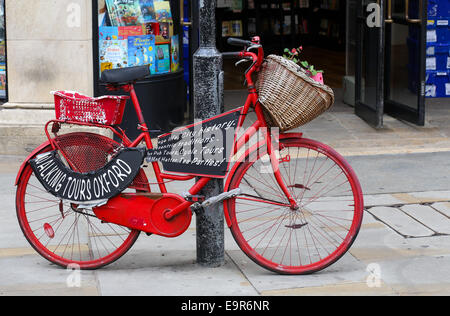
column 309, row 253
column 111, row 241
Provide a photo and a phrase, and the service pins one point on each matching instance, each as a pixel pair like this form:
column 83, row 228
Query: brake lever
column 255, row 46
column 242, row 61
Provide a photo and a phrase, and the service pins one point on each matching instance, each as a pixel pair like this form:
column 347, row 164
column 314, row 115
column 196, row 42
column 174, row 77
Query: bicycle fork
column 271, row 150
column 276, row 171
column 234, row 193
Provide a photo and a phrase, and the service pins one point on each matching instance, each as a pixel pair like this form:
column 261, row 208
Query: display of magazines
column 148, row 11
column 2, row 80
column 162, row 58
column 113, row 54
column 138, row 32
column 124, row 12
column 175, row 53
column 141, row 51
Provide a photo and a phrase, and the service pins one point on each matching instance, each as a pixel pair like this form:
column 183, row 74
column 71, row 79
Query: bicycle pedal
column 195, row 208
column 219, row 198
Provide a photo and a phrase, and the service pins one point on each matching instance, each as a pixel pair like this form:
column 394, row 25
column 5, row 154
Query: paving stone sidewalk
column 403, row 249
column 340, row 128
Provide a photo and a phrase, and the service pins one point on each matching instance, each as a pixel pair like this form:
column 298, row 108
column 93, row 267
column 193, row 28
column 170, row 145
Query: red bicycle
column 293, row 208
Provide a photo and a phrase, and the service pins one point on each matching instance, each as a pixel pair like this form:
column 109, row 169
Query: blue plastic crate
column 437, row 59
column 436, row 8
column 437, row 84
column 438, row 31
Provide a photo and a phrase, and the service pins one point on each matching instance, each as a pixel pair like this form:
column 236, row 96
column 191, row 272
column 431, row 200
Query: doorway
column 318, row 26
column 390, row 61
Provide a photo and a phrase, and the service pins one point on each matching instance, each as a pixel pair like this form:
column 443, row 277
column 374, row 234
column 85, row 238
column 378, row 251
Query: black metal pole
column 208, row 96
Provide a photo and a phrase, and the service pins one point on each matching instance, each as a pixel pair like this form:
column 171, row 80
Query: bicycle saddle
column 124, row 75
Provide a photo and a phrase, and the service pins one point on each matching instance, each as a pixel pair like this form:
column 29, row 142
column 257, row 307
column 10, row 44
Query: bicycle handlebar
column 231, row 54
column 257, row 58
column 245, row 54
column 239, row 42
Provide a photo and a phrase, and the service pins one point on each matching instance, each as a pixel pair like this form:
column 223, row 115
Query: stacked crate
column 437, row 52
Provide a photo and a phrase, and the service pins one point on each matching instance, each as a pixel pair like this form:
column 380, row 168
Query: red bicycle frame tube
column 252, row 102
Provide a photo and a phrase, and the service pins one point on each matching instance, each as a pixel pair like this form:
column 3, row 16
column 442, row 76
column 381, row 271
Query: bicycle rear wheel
column 300, row 241
column 56, row 229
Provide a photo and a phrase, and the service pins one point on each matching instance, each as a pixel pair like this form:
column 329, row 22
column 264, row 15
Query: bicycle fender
column 90, row 187
column 35, row 152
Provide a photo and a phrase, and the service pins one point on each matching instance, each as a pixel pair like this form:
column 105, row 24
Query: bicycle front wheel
column 299, row 241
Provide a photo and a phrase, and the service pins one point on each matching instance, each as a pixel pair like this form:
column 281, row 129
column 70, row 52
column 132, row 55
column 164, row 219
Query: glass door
column 406, row 37
column 391, row 60
column 369, row 96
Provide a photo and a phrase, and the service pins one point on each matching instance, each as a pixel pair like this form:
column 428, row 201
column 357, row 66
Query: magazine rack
column 161, row 106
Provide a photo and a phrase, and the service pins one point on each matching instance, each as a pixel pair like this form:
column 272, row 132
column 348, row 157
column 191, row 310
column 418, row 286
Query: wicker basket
column 290, row 98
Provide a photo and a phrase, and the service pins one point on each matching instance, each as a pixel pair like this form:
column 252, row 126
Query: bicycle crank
column 215, row 199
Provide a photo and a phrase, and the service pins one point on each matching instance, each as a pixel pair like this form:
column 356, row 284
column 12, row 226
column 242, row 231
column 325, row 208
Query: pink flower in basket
column 292, row 54
column 318, row 77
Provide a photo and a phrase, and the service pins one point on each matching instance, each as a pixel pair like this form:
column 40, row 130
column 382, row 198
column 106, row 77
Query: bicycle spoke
column 296, row 240
column 63, row 234
column 265, row 201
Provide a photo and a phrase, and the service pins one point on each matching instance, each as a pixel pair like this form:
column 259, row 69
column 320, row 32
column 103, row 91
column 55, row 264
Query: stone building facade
column 49, row 47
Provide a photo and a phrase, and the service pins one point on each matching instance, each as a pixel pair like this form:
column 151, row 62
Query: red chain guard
column 145, row 212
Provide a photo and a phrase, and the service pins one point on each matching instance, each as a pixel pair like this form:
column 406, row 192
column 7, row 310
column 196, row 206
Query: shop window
column 3, row 92
column 135, row 33
column 283, row 23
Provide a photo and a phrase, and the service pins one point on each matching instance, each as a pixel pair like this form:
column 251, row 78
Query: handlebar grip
column 239, row 42
column 231, row 55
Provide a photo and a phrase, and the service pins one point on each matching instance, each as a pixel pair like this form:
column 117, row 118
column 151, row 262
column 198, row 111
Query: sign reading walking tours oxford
column 98, row 185
column 201, row 149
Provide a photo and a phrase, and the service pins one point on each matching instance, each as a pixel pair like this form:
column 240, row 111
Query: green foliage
column 292, row 55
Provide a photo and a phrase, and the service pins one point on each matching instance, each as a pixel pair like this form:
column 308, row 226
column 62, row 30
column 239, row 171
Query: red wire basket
column 76, row 107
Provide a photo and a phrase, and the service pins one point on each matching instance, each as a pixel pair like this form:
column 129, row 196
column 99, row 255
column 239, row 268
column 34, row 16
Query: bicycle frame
column 259, row 210
column 260, row 123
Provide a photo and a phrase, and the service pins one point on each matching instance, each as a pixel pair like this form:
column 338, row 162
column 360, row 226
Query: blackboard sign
column 201, row 149
column 99, row 185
